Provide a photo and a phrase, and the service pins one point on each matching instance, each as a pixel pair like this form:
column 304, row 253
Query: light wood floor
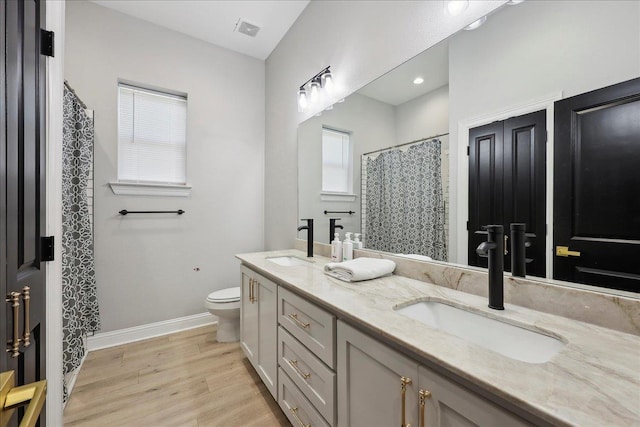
column 184, row 379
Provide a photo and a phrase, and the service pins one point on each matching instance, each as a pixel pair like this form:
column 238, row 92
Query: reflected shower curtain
column 404, row 202
column 79, row 300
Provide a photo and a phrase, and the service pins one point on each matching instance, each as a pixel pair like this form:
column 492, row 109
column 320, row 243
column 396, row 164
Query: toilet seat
column 225, row 295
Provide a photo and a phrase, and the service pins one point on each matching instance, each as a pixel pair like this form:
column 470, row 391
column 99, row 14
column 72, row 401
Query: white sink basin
column 287, row 261
column 504, row 338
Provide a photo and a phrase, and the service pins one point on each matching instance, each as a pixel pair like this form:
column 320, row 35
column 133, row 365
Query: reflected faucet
column 332, row 228
column 309, row 228
column 519, row 243
column 494, row 249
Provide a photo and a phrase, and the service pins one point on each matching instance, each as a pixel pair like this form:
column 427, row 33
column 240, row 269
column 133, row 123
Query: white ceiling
column 396, row 87
column 214, row 21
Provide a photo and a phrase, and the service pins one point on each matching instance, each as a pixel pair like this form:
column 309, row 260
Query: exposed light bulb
column 456, row 7
column 303, row 102
column 314, row 91
column 327, row 81
column 418, row 81
column 476, row 24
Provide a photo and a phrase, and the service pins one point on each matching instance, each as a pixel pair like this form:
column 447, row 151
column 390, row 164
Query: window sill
column 138, row 189
column 338, row 197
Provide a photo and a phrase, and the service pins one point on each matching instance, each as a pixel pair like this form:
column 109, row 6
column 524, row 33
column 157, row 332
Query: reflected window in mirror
column 337, row 164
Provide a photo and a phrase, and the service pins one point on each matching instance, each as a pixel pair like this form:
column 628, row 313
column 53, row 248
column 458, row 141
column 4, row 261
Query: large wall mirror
column 365, row 156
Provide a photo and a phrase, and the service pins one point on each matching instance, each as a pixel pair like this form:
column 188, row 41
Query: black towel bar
column 125, row 212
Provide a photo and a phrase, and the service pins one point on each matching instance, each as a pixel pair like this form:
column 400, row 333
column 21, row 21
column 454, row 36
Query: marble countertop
column 593, row 381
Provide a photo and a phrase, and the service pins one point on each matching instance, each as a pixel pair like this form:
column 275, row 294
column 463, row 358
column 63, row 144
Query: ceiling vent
column 246, row 28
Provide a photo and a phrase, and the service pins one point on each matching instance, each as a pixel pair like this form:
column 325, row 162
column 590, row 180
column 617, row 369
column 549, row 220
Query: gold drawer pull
column 294, row 317
column 294, row 365
column 250, row 290
column 404, row 381
column 26, row 296
column 13, row 346
column 294, row 411
column 424, row 395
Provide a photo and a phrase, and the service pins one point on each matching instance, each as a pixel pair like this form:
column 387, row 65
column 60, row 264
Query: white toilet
column 225, row 304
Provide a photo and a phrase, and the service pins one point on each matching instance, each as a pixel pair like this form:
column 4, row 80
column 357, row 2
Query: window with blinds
column 336, row 162
column 152, row 136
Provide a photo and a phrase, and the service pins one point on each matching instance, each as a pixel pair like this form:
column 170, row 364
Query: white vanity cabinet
column 259, row 326
column 380, row 386
column 306, row 355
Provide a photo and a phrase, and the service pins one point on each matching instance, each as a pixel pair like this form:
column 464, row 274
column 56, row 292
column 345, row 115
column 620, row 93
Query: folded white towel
column 359, row 269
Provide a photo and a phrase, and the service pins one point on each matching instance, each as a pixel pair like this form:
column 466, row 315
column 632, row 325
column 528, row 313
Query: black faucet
column 518, row 252
column 309, row 228
column 332, row 228
column 494, row 248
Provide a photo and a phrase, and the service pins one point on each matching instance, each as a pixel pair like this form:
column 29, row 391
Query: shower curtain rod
column 82, row 104
column 406, row 143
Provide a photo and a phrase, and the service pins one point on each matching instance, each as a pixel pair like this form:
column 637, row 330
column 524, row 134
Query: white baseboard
column 151, row 330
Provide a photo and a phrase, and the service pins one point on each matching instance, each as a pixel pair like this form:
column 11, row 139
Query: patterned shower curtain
column 405, row 211
column 80, row 314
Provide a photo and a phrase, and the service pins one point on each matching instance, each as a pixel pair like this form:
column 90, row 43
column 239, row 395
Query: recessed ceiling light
column 418, row 81
column 247, row 28
column 512, row 2
column 456, row 7
column 476, row 24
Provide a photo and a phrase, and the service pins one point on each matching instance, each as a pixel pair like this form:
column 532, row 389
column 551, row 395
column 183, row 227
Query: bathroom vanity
column 345, row 354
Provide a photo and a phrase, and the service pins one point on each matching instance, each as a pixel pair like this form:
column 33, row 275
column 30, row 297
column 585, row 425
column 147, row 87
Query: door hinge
column 467, row 225
column 46, row 42
column 47, row 248
column 468, row 150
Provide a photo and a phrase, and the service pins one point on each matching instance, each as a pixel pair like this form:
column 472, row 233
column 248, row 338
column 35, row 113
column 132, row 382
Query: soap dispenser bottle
column 347, row 248
column 357, row 244
column 336, row 248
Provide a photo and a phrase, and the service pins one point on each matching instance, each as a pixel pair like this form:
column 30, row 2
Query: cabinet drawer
column 297, row 408
column 313, row 378
column 312, row 326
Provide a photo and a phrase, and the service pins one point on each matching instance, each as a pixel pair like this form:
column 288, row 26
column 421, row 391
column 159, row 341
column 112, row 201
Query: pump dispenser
column 347, row 248
column 336, row 248
column 357, row 244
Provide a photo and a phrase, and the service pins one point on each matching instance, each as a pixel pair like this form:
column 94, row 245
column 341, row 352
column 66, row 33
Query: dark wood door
column 597, row 187
column 22, row 201
column 507, row 184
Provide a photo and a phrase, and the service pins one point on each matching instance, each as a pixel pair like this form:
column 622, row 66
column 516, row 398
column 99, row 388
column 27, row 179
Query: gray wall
column 145, row 265
column 535, row 49
column 423, row 116
column 372, row 126
column 361, row 40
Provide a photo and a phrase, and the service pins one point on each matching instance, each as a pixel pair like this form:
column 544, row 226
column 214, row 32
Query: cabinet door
column 267, row 302
column 248, row 318
column 452, row 405
column 370, row 382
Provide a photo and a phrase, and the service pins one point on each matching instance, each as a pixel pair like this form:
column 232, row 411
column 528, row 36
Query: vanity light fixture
column 455, row 7
column 418, row 81
column 476, row 24
column 309, row 92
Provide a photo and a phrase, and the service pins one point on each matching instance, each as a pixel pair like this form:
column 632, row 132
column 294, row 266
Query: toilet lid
column 225, row 295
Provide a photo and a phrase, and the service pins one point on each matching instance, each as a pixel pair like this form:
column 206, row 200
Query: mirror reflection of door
column 597, row 187
column 507, row 184
column 22, row 205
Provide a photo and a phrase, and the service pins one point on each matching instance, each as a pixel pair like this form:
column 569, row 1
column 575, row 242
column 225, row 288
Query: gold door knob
column 11, row 397
column 564, row 251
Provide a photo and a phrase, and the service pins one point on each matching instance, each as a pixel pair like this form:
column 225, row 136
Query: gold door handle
column 13, row 397
column 294, row 317
column 251, row 291
column 565, row 252
column 26, row 296
column 506, row 238
column 404, row 382
column 424, row 395
column 294, row 365
column 294, row 411
column 13, row 346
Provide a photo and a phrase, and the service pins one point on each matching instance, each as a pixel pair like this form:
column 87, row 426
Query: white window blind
column 336, row 161
column 152, row 136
